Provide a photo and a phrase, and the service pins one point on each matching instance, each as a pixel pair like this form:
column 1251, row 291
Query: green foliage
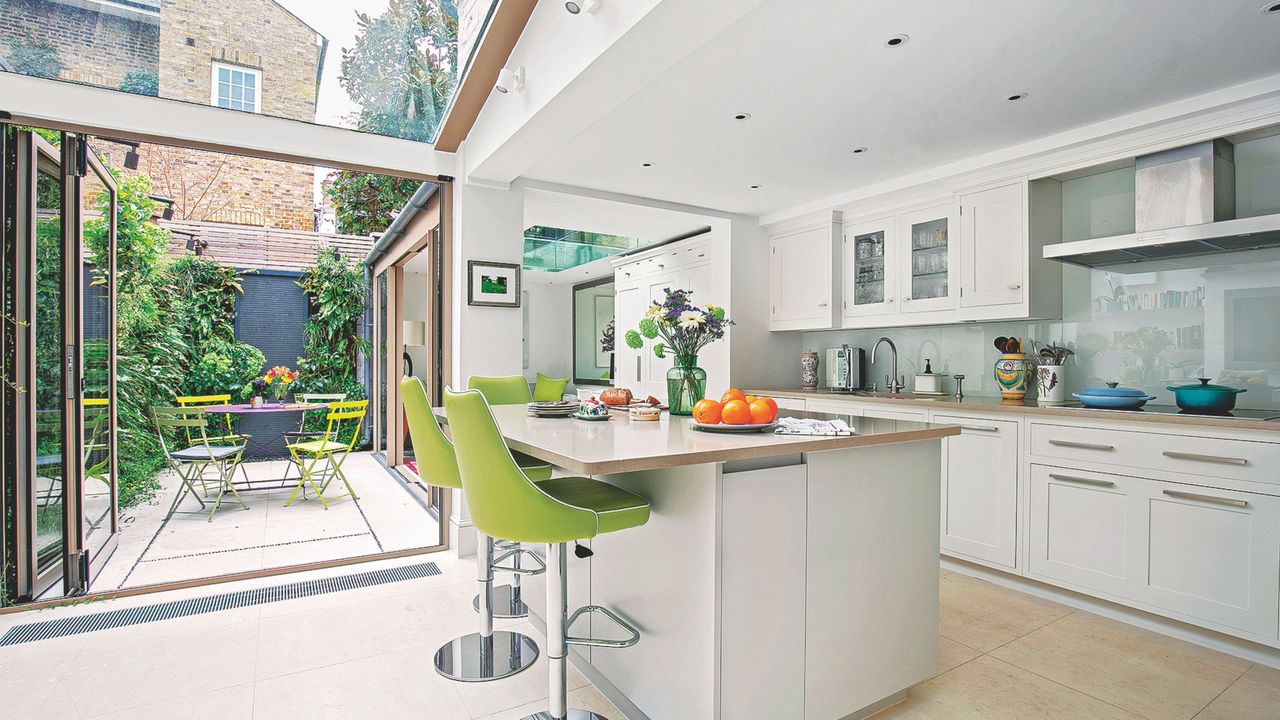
column 141, row 82
column 226, row 367
column 365, row 203
column 39, row 59
column 333, row 344
column 401, row 71
column 140, row 243
column 634, row 341
column 204, row 305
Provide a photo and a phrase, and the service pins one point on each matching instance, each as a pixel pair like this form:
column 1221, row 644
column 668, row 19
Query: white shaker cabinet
column 869, row 267
column 980, row 490
column 927, row 264
column 803, row 276
column 993, row 246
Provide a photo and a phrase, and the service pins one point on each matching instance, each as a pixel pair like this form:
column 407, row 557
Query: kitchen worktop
column 622, row 445
column 1165, row 414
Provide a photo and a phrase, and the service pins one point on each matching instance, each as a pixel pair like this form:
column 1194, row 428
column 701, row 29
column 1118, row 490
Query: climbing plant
column 333, row 343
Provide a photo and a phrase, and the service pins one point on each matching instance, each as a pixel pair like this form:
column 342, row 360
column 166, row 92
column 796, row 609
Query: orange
column 735, row 412
column 732, row 394
column 762, row 413
column 750, row 399
column 772, row 404
column 707, row 412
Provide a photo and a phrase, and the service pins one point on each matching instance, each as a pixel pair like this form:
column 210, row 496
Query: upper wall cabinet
column 993, row 256
column 804, row 276
column 928, row 259
column 868, row 265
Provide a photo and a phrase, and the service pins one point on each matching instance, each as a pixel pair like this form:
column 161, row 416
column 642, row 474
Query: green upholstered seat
column 549, row 389
column 505, row 504
column 433, row 453
column 502, row 390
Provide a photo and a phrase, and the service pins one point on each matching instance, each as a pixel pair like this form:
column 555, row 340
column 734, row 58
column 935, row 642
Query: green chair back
column 315, row 399
column 502, row 390
column 191, row 421
column 343, row 414
column 192, row 401
column 503, row 502
column 432, row 451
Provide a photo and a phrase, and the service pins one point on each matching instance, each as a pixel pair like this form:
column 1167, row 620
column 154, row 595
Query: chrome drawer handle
column 1205, row 458
column 1081, row 445
column 980, row 428
column 1206, row 498
column 1082, row 481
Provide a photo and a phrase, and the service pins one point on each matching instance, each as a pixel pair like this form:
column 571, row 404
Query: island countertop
column 621, row 445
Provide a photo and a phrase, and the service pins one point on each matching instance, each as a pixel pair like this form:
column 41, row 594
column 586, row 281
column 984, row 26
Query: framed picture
column 493, row 284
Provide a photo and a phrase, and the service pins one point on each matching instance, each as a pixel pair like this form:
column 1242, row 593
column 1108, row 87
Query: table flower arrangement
column 278, row 379
column 259, row 386
column 684, row 330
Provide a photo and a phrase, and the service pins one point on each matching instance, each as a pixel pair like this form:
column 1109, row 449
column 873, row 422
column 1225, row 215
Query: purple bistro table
column 261, row 448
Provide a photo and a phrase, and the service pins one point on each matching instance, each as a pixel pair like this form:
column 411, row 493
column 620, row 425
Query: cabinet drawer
column 836, row 407
column 886, row 414
column 1212, row 457
column 786, row 403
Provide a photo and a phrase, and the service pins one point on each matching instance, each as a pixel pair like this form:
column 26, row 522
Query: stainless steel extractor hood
column 1185, row 207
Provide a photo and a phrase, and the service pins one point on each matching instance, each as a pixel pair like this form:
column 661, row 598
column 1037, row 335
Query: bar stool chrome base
column 573, row 715
column 476, row 658
column 506, row 603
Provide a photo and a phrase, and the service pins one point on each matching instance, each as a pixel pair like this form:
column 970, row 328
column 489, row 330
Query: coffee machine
column 846, row 367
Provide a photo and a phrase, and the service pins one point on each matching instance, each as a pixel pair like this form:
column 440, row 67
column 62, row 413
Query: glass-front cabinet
column 929, row 259
column 870, row 255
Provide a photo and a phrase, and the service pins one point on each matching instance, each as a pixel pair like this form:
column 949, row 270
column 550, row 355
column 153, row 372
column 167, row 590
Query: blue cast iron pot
column 1205, row 398
column 1113, row 398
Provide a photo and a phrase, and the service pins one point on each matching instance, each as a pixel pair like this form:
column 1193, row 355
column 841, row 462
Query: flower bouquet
column 684, row 329
column 278, row 379
column 259, row 386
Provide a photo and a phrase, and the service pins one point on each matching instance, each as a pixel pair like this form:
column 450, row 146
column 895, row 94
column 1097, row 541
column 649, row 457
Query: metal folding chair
column 222, row 435
column 302, row 434
column 321, row 460
column 191, row 463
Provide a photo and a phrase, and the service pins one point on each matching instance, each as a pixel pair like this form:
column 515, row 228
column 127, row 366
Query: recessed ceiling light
column 894, row 41
column 577, row 6
column 755, row 187
column 1017, row 96
column 1271, row 8
column 742, row 116
column 858, row 150
column 646, row 164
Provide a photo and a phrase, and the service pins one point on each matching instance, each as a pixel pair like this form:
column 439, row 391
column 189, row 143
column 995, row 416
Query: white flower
column 691, row 319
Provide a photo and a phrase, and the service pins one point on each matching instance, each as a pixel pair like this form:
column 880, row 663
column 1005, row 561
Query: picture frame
column 493, row 284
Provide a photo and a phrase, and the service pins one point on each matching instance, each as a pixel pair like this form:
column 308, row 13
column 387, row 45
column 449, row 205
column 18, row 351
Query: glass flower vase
column 686, row 384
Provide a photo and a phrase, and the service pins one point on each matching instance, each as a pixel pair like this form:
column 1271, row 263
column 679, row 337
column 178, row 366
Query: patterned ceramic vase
column 1011, row 376
column 1051, row 384
column 809, row 370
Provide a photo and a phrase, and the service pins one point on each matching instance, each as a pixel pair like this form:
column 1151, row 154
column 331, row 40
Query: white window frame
column 257, row 84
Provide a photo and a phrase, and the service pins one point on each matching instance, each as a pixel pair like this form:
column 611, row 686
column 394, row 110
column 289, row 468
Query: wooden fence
column 247, row 246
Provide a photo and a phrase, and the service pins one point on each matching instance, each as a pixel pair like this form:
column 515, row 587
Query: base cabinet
column 980, row 490
column 1207, row 555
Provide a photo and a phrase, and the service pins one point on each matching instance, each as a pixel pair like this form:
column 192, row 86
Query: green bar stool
column 509, row 390
column 505, row 503
column 488, row 654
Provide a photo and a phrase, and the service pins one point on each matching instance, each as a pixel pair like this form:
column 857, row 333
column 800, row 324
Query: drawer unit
column 1211, row 457
column 789, row 403
column 1206, row 555
column 877, row 411
column 980, row 490
column 836, row 407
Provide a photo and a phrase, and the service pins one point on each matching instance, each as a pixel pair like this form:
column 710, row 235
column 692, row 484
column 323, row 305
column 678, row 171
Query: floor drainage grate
column 124, row 617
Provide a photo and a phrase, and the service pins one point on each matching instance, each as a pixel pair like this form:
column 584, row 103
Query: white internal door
column 629, row 303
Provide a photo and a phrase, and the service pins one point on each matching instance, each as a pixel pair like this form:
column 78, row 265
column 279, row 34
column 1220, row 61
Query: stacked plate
column 562, row 408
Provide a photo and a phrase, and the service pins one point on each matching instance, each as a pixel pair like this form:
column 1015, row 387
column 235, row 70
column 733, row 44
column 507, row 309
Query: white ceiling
column 818, row 81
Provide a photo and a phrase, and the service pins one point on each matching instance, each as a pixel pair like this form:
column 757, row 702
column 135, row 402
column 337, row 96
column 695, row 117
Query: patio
column 390, row 514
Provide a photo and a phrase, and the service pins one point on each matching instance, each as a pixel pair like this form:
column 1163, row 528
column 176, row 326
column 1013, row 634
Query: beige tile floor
column 1005, row 654
column 385, row 517
column 367, row 654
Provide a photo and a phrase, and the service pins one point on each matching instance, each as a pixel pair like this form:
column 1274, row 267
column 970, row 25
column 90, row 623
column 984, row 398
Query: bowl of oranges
column 735, row 412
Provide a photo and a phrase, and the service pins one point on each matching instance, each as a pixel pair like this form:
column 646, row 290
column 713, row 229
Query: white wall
column 550, row 337
column 758, row 358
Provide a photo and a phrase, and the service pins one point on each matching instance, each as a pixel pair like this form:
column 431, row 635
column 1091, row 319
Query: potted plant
column 684, row 329
column 278, row 379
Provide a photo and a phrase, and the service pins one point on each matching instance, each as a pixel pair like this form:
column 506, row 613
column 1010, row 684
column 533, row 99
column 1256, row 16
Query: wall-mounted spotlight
column 582, row 6
column 510, row 80
column 131, row 158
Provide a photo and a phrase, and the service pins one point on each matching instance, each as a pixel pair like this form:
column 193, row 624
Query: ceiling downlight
column 742, row 116
column 896, row 41
column 858, row 150
column 1271, row 8
column 1015, row 97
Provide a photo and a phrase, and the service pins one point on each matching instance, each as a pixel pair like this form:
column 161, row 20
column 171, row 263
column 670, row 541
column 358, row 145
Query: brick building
column 246, row 55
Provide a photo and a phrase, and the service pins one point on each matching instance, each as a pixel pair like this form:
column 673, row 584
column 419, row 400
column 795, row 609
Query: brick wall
column 94, row 48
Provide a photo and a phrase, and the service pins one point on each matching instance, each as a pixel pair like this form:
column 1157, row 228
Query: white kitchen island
column 779, row 577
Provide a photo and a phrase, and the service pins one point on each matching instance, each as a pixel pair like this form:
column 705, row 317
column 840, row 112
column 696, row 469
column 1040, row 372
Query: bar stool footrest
column 499, row 567
column 599, row 642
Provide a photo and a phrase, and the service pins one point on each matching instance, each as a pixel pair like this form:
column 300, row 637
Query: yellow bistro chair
column 321, row 459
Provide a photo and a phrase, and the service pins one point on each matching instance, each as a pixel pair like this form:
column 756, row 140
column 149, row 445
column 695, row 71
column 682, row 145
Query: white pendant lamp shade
column 414, row 332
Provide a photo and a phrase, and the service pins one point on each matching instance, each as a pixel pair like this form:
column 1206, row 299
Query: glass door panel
column 380, row 359
column 869, row 265
column 928, row 264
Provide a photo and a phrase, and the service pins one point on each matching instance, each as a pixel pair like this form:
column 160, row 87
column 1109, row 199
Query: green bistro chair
column 224, row 433
column 190, row 463
column 487, row 654
column 505, row 503
column 302, row 433
column 320, row 460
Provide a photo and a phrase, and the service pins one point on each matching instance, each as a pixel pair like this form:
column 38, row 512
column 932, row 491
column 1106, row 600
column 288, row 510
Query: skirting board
column 1206, row 638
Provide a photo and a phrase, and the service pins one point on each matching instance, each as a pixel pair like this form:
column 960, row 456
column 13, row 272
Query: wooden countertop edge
column 663, row 462
column 1048, row 410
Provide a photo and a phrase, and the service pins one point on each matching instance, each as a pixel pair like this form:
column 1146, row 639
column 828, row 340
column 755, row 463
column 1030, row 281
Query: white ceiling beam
column 112, row 113
column 580, row 67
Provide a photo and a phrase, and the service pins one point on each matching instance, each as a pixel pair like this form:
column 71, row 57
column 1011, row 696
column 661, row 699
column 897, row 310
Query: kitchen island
column 779, row 577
